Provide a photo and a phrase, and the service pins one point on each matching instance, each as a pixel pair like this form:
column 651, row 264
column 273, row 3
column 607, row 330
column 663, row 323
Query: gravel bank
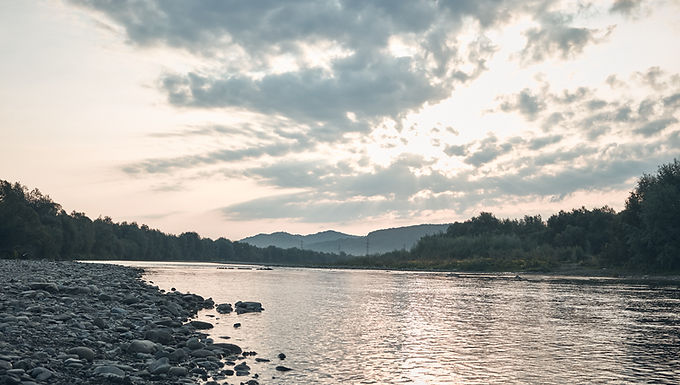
column 80, row 323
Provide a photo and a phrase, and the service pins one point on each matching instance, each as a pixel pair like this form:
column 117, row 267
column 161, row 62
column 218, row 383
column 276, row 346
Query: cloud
column 525, row 102
column 555, row 36
column 368, row 86
column 625, row 7
column 166, row 165
column 654, row 127
column 539, row 143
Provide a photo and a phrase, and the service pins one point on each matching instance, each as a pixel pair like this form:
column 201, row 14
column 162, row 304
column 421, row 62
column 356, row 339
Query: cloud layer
column 331, row 87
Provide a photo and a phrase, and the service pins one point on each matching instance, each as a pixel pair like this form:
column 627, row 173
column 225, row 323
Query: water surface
column 383, row 327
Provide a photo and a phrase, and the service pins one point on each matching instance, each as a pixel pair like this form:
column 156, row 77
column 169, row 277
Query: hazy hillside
column 376, row 242
column 287, row 240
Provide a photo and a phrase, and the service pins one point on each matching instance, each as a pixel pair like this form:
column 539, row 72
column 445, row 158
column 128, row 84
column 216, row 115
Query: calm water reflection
column 363, row 327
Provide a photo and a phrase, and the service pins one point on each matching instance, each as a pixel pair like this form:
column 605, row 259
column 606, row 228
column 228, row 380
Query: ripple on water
column 366, row 327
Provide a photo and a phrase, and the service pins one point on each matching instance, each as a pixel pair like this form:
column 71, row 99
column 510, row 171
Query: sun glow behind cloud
column 314, row 115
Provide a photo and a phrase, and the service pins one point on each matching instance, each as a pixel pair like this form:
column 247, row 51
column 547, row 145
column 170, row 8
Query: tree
column 652, row 216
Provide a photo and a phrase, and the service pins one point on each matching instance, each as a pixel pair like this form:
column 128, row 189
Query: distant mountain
column 286, row 240
column 376, row 242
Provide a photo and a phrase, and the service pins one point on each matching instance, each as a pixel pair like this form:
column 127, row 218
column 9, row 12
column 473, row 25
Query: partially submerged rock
column 248, row 307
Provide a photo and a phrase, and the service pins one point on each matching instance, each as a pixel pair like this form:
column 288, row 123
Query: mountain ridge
column 331, row 241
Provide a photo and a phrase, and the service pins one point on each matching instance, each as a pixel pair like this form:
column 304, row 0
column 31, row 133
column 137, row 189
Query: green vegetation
column 644, row 237
column 33, row 226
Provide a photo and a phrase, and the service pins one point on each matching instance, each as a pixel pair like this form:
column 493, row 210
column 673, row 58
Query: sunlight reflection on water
column 363, row 327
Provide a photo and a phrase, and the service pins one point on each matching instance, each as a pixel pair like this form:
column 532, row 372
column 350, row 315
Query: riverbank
column 83, row 323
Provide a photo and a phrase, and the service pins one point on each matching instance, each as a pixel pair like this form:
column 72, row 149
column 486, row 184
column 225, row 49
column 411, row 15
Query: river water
column 387, row 327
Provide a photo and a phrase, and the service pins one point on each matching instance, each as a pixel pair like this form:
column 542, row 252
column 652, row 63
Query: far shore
column 564, row 271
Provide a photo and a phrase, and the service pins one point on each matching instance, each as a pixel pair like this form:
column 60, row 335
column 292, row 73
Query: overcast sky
column 232, row 118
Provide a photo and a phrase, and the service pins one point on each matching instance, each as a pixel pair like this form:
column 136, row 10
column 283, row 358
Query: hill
column 376, row 242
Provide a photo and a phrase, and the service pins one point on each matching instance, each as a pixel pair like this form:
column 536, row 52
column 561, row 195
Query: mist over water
column 354, row 326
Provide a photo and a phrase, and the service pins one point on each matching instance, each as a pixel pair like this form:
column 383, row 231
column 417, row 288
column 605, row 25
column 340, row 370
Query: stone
column 177, row 371
column 162, row 336
column 282, row 368
column 83, row 352
column 5, row 365
column 248, row 307
column 109, row 371
column 201, row 325
column 242, row 367
column 237, row 325
column 141, row 346
column 161, row 365
column 262, row 360
column 227, row 348
column 282, row 356
column 47, row 286
column 224, row 308
column 194, row 344
column 99, row 322
column 41, row 374
column 178, row 355
column 202, row 353
column 130, row 299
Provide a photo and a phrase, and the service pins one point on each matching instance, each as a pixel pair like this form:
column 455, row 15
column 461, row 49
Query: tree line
column 34, row 226
column 643, row 237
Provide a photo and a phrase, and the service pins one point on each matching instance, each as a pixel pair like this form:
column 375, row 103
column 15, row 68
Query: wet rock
column 282, row 356
column 262, row 360
column 237, row 325
column 227, row 348
column 282, row 368
column 248, row 307
column 224, row 308
column 201, row 325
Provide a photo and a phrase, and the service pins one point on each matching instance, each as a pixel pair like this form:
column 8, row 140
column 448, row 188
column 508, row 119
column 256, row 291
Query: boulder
column 224, row 308
column 248, row 307
column 227, row 348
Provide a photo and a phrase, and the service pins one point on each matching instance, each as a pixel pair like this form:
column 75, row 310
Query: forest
column 33, row 226
column 643, row 237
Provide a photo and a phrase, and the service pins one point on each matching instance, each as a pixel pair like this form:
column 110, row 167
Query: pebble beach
column 82, row 323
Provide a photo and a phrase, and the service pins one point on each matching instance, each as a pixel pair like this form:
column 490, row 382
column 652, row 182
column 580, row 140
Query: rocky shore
column 80, row 323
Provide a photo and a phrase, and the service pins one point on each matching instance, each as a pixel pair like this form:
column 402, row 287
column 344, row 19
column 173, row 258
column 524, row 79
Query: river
column 391, row 327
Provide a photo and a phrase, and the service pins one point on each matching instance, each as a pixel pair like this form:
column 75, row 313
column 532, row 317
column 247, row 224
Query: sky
column 232, row 118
